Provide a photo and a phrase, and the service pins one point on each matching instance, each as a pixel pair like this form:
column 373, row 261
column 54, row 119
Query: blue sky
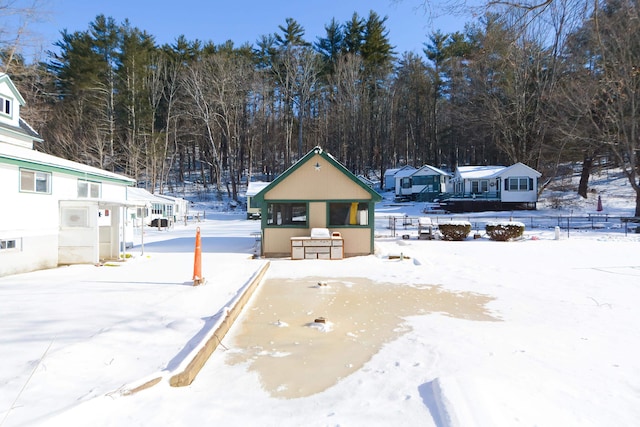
column 242, row 21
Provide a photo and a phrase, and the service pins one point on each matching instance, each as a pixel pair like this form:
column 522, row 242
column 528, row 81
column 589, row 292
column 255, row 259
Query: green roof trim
column 259, row 198
column 64, row 170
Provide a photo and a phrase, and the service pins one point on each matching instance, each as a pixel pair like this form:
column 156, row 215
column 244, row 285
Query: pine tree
column 292, row 34
column 331, row 46
column 377, row 51
column 354, row 35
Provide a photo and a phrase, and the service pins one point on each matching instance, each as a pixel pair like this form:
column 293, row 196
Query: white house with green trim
column 54, row 211
column 480, row 188
column 317, row 192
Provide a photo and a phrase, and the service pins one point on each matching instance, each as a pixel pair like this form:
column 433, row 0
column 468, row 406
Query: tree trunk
column 587, row 164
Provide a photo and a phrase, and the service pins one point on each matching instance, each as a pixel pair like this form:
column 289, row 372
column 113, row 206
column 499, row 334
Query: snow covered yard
column 563, row 352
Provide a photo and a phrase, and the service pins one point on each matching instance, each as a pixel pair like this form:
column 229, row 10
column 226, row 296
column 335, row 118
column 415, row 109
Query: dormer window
column 5, row 106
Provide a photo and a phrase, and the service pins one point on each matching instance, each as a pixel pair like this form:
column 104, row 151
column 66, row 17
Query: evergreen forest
column 545, row 84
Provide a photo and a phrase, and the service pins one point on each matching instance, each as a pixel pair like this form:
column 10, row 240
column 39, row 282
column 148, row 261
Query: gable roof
column 432, row 169
column 405, row 172
column 172, row 199
column 142, row 195
column 478, row 172
column 490, row 172
column 519, row 165
column 254, row 187
column 259, row 197
column 390, row 172
column 15, row 126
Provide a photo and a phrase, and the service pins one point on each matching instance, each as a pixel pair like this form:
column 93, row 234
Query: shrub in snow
column 458, row 230
column 504, row 231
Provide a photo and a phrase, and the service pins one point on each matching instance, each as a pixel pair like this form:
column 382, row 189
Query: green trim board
column 41, row 167
column 370, row 207
column 265, row 217
column 375, row 197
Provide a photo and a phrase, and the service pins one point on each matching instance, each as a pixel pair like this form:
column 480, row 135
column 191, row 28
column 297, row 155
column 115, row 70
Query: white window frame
column 6, row 105
column 157, row 209
column 89, row 189
column 10, row 245
column 36, row 176
column 481, row 186
column 522, row 183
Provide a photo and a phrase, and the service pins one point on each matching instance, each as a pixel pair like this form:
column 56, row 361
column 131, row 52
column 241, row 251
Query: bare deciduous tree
column 17, row 17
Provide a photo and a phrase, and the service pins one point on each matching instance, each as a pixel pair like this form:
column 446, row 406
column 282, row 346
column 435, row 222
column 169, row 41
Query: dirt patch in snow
column 303, row 335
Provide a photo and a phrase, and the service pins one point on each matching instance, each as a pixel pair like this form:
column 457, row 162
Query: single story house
column 424, row 184
column 479, row 188
column 156, row 209
column 317, row 192
column 55, row 211
column 177, row 209
column 389, row 178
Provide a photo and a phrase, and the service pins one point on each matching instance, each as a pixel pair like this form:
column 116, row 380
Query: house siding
column 327, row 183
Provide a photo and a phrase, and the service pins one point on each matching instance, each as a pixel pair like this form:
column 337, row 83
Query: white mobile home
column 55, row 211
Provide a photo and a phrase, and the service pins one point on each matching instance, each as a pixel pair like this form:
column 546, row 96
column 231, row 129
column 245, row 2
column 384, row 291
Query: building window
column 87, row 189
column 35, row 182
column 419, row 180
column 353, row 213
column 9, row 245
column 5, row 106
column 478, row 187
column 156, row 209
column 405, row 182
column 519, row 184
column 287, row 214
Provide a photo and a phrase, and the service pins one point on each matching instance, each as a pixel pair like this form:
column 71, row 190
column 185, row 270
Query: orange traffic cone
column 197, row 263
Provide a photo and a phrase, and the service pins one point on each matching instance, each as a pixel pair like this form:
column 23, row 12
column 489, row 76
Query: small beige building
column 317, row 192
